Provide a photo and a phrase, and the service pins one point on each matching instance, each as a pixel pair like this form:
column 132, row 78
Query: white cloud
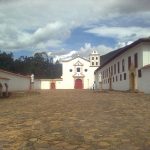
column 50, row 35
column 83, row 52
column 65, row 56
column 27, row 24
column 88, row 48
column 121, row 33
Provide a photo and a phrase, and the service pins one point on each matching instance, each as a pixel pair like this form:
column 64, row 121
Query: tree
column 6, row 61
column 40, row 65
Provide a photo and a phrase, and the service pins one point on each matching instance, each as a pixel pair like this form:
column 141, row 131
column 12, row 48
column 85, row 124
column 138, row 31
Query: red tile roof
column 1, row 70
column 2, row 78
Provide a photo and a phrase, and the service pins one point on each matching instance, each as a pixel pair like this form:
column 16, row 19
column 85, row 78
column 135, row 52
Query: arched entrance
column 53, row 86
column 132, row 81
column 78, row 84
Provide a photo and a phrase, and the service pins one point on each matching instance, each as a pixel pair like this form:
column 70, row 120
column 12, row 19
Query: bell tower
column 94, row 59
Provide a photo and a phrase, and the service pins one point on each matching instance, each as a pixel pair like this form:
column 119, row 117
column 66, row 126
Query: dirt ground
column 75, row 120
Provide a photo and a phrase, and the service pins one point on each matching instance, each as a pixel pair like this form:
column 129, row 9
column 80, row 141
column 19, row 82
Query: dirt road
column 75, row 120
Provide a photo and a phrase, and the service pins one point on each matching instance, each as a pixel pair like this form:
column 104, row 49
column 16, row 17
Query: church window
column 92, row 63
column 111, row 70
column 123, row 66
column 107, row 73
column 125, row 76
column 78, row 69
column 136, row 60
column 85, row 70
column 96, row 58
column 118, row 67
column 92, row 58
column 114, row 68
column 96, row 63
column 70, row 70
column 129, row 62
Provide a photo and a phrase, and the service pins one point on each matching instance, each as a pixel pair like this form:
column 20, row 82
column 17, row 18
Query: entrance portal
column 53, row 85
column 78, row 84
column 132, row 81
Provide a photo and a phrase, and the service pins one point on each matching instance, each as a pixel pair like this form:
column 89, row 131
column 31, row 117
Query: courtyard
column 75, row 120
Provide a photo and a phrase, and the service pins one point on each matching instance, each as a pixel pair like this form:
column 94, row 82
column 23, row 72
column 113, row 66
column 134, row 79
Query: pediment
column 78, row 75
column 78, row 63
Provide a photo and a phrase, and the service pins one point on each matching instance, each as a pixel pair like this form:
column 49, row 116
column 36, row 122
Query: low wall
column 47, row 84
column 37, row 84
column 17, row 82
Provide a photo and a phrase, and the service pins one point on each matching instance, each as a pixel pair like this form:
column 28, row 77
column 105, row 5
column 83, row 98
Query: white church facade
column 77, row 73
column 126, row 69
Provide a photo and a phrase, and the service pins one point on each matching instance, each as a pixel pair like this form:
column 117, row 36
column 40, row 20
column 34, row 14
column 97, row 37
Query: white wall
column 98, row 80
column 3, row 81
column 16, row 82
column 145, row 80
column 124, row 84
column 37, row 84
column 45, row 84
column 68, row 80
column 146, row 54
column 59, row 84
column 90, row 77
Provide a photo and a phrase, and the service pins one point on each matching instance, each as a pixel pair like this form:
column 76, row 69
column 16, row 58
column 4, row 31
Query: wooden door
column 78, row 84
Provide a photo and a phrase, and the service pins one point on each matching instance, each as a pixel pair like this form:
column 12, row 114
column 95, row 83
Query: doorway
column 78, row 84
column 53, row 86
column 132, row 82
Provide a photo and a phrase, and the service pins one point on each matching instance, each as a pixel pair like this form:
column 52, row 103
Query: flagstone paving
column 75, row 120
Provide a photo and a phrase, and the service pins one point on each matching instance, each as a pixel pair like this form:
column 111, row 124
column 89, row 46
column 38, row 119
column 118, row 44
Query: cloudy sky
column 65, row 27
